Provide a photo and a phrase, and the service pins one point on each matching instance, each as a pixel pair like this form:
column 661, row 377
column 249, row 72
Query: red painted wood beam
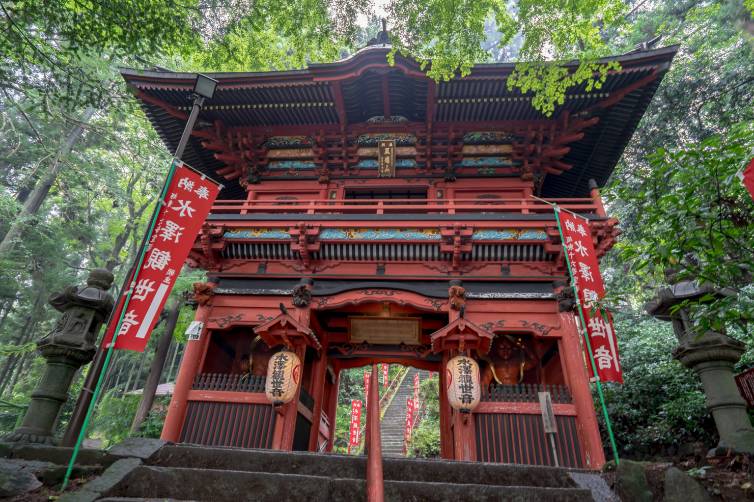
column 170, row 109
column 616, row 96
column 340, row 107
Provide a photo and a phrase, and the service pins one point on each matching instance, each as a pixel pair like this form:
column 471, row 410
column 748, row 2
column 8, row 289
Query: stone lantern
column 712, row 356
column 71, row 344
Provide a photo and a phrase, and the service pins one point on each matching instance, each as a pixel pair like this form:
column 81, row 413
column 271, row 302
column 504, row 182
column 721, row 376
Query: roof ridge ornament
column 383, row 37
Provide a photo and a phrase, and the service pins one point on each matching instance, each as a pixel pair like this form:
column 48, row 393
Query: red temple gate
column 373, row 215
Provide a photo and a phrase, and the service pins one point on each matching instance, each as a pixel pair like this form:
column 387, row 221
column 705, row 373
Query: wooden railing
column 526, row 392
column 403, row 206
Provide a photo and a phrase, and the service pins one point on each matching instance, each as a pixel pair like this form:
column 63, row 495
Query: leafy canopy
column 67, row 50
column 694, row 216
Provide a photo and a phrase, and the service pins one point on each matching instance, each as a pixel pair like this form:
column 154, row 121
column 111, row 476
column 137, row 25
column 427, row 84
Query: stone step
column 354, row 467
column 231, row 486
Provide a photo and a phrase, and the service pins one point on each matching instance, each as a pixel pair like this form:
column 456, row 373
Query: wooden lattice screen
column 229, row 424
column 745, row 383
column 520, row 439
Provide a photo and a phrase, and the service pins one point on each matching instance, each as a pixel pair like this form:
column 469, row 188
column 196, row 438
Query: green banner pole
column 600, row 393
column 111, row 348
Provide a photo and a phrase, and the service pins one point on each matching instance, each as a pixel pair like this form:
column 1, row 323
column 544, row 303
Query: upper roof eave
column 317, row 72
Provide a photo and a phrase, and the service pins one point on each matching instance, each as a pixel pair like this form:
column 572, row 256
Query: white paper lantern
column 462, row 384
column 283, row 377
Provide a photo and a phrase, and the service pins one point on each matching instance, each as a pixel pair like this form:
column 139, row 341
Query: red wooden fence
column 745, row 382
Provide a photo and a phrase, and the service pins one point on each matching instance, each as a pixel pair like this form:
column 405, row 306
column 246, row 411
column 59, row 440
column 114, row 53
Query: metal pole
column 95, row 370
column 90, row 393
column 198, row 103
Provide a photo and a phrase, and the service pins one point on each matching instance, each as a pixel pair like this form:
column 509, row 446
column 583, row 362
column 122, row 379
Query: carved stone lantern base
column 712, row 357
column 50, row 394
column 70, row 345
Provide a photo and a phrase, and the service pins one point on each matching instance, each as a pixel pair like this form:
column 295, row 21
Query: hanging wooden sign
column 386, row 158
column 385, row 330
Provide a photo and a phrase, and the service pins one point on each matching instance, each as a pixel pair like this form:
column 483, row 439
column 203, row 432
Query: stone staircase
column 185, row 472
column 394, row 419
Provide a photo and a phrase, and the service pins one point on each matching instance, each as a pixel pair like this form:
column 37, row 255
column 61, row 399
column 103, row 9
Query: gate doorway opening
column 409, row 411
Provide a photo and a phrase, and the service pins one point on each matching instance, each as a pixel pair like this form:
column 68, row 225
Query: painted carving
column 227, row 320
column 509, row 359
column 258, row 233
column 302, row 295
column 400, row 138
column 537, row 327
column 566, row 298
column 373, row 234
column 457, row 297
column 487, row 138
column 203, row 292
column 279, row 142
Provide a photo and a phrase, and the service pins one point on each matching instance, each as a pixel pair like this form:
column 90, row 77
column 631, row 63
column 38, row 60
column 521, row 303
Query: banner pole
column 111, row 348
column 600, row 393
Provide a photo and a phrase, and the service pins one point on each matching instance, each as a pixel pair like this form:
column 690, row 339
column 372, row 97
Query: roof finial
column 382, row 37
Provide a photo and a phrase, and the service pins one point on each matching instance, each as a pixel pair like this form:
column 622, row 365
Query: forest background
column 80, row 166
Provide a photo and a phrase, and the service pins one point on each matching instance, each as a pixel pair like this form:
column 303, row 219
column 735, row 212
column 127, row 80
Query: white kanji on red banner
column 416, row 387
column 354, row 431
column 189, row 199
column 367, row 378
column 409, row 425
column 578, row 245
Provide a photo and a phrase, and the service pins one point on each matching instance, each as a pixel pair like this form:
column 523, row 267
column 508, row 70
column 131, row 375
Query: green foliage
column 661, row 405
column 112, row 421
column 695, row 217
column 447, row 38
column 57, row 48
column 425, row 439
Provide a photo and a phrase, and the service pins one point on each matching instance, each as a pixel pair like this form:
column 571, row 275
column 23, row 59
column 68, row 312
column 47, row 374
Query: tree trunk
column 42, row 188
column 23, row 337
column 13, row 380
column 129, row 379
column 139, row 371
column 155, row 370
column 171, row 368
column 7, row 309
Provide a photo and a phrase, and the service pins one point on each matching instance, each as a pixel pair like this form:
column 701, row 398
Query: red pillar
column 289, row 411
column 464, row 442
column 586, row 423
column 318, row 393
column 375, row 482
column 192, row 359
column 446, row 432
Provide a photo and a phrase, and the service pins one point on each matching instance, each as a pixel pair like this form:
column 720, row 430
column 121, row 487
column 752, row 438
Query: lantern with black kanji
column 463, row 383
column 283, row 377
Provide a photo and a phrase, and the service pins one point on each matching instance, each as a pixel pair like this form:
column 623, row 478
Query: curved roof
column 336, row 96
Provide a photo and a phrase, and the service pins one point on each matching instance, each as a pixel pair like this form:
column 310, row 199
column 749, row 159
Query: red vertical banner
column 747, row 178
column 354, row 431
column 385, row 375
column 410, row 405
column 416, row 387
column 579, row 246
column 187, row 203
